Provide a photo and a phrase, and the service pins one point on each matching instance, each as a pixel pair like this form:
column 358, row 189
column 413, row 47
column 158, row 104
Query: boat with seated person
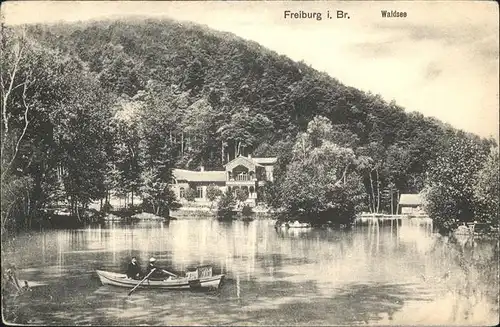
column 199, row 277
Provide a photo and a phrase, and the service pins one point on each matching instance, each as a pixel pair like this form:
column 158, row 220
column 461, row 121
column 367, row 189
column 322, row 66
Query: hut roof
column 410, row 200
column 199, row 176
column 264, row 161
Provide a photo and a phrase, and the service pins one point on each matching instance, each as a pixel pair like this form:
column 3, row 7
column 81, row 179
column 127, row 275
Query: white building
column 242, row 172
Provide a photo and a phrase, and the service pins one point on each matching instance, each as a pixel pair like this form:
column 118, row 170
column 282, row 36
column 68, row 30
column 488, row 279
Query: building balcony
column 248, row 182
column 243, row 178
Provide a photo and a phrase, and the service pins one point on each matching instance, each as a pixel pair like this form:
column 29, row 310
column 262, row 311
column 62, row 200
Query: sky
column 442, row 59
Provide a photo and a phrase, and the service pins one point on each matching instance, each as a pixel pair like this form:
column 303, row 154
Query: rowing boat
column 295, row 224
column 200, row 278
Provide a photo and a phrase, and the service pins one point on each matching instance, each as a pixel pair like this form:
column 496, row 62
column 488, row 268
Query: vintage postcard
column 250, row 163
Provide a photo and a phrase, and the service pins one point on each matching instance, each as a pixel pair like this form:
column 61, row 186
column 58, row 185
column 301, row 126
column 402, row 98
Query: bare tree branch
column 5, row 218
column 5, row 95
column 26, row 123
column 11, row 84
column 131, row 150
column 18, row 85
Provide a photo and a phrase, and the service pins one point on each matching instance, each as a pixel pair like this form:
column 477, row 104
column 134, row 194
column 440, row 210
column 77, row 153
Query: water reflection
column 385, row 273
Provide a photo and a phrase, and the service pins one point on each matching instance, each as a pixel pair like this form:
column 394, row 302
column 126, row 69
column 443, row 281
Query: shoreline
column 207, row 214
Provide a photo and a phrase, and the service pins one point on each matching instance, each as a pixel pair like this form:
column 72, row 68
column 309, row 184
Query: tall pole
column 392, row 202
column 397, row 207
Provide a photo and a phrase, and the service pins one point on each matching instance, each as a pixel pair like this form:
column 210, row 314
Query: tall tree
column 320, row 182
column 449, row 189
column 487, row 190
column 245, row 131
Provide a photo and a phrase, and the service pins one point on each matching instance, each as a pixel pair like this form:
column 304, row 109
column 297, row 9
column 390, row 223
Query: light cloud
column 433, row 71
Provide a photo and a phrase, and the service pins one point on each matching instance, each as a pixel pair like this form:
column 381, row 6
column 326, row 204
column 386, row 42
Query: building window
column 199, row 192
column 181, row 192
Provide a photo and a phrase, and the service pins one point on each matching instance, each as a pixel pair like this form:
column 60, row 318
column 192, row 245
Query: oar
column 168, row 272
column 141, row 281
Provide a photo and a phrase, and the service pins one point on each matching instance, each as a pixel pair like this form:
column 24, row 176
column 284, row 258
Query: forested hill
column 129, row 94
column 234, row 76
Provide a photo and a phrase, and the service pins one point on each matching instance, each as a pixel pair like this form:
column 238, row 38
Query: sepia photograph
column 250, row 163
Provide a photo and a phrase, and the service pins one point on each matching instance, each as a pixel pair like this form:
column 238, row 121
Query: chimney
column 202, row 168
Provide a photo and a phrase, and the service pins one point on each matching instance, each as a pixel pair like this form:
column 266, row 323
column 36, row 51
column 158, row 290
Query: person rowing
column 158, row 273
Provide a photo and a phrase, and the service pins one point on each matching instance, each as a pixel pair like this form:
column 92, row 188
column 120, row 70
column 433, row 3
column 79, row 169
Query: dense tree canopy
column 453, row 179
column 105, row 106
column 487, row 190
column 320, row 183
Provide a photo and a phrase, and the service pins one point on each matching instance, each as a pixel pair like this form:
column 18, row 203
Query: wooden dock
column 390, row 217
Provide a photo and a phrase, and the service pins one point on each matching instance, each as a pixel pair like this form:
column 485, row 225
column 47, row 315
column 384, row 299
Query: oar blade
column 132, row 290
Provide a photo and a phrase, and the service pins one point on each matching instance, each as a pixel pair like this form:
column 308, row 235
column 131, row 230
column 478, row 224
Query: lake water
column 370, row 275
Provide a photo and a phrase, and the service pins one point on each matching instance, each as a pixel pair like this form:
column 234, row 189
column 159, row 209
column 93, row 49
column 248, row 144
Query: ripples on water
column 370, row 275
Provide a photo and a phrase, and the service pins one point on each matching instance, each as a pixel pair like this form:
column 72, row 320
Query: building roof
column 265, row 160
column 199, row 176
column 244, row 161
column 249, row 161
column 410, row 200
